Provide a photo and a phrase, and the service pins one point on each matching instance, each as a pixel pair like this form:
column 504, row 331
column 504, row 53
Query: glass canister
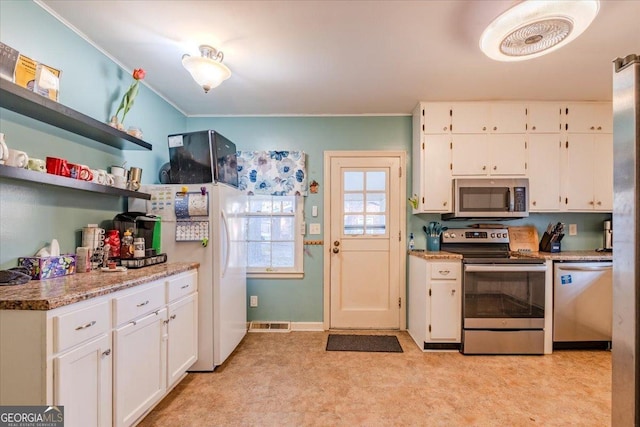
column 126, row 249
column 138, row 247
column 113, row 239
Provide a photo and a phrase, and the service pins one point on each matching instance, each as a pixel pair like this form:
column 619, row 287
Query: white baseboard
column 307, row 326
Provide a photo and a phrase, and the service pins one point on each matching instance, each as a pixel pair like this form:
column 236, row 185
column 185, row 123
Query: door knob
column 336, row 243
column 336, row 250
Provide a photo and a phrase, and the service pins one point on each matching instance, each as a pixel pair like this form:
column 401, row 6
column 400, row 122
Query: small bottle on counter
column 412, row 243
column 126, row 250
column 138, row 247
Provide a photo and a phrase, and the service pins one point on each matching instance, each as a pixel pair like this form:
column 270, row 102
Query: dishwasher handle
column 587, row 268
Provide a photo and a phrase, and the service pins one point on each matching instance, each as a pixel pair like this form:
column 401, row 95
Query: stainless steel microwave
column 497, row 198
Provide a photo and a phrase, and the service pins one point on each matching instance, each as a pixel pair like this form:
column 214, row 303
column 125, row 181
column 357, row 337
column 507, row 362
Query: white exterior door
column 366, row 211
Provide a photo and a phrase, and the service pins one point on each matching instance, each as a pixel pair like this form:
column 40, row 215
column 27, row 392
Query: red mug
column 82, row 172
column 58, row 166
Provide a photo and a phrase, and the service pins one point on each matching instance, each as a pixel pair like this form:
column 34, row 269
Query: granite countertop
column 428, row 255
column 568, row 255
column 60, row 291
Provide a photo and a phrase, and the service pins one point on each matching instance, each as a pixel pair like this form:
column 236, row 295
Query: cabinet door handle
column 445, row 128
column 495, row 128
column 453, row 291
column 533, row 203
column 106, row 352
column 533, row 128
column 591, row 202
column 592, row 128
column 484, row 168
column 173, row 316
column 484, row 128
column 599, row 203
column 143, row 303
column 444, row 203
column 495, row 168
column 184, row 287
column 599, row 127
column 88, row 325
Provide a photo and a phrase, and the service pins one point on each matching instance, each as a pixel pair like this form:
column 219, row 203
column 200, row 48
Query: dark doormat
column 372, row 343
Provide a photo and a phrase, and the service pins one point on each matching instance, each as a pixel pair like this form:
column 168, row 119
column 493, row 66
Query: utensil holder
column 433, row 243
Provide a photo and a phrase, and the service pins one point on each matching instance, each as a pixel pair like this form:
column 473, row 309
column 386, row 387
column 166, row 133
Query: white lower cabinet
column 107, row 360
column 182, row 348
column 435, row 303
column 83, row 383
column 139, row 366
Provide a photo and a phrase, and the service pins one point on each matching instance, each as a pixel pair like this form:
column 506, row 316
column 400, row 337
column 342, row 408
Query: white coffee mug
column 118, row 171
column 120, row 181
column 4, row 150
column 109, row 179
column 99, row 176
column 17, row 158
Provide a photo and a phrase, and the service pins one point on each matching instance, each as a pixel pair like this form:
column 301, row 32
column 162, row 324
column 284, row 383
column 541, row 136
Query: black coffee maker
column 141, row 225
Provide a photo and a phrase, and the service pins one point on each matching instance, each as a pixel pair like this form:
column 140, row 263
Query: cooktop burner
column 482, row 246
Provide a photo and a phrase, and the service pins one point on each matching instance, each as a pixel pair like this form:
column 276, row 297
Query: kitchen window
column 274, row 236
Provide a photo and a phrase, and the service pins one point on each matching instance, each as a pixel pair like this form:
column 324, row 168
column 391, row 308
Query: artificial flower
column 130, row 95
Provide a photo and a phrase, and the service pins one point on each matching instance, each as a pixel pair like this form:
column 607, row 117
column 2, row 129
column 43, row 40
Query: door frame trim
column 328, row 155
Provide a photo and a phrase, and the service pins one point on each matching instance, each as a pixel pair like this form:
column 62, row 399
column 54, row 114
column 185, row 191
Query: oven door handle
column 505, row 268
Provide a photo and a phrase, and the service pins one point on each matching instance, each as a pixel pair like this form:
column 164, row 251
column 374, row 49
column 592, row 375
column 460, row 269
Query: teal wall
column 31, row 215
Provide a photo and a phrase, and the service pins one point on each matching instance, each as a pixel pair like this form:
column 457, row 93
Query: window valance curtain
column 274, row 173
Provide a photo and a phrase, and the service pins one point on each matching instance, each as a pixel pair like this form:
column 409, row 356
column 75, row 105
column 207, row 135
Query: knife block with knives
column 551, row 238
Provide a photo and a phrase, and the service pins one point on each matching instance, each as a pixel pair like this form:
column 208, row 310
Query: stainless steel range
column 503, row 296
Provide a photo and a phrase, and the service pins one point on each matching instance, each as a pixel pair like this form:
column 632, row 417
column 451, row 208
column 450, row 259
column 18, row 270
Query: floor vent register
column 270, row 327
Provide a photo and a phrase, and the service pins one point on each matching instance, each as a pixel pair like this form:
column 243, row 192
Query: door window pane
column 353, row 181
column 354, row 202
column 376, row 181
column 376, row 202
column 354, row 224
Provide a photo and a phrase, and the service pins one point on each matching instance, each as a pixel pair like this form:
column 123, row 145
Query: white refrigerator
column 215, row 212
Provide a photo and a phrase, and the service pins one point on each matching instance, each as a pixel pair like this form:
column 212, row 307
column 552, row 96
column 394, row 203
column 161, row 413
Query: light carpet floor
column 288, row 379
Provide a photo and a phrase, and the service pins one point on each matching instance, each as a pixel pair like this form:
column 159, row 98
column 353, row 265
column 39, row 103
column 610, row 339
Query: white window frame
column 295, row 272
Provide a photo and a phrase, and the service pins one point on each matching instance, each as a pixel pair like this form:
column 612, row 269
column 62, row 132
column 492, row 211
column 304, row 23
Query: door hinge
column 566, row 144
column 525, row 145
column 525, row 165
column 423, row 145
column 423, row 200
column 399, row 236
column 400, row 172
column 451, row 146
column 429, row 328
column 399, row 302
column 429, row 292
column 566, row 200
column 451, row 166
column 423, row 112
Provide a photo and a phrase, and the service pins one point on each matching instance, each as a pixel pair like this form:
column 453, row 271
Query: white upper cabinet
column 544, row 117
column 435, row 194
column 480, row 155
column 591, row 117
column 589, row 173
column 486, row 117
column 544, row 172
column 435, row 117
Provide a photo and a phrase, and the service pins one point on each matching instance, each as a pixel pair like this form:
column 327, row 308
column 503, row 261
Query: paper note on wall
column 161, row 202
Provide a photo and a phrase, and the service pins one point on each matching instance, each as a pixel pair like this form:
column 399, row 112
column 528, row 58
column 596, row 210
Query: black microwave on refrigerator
column 202, row 157
column 496, row 198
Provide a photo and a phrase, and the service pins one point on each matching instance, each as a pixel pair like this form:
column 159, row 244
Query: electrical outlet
column 253, row 301
column 573, row 229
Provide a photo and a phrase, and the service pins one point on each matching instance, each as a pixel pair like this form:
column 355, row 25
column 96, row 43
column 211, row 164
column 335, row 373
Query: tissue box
column 49, row 267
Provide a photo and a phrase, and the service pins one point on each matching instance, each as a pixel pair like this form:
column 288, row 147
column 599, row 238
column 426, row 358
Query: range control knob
column 493, row 235
column 453, row 235
column 446, row 235
column 504, row 235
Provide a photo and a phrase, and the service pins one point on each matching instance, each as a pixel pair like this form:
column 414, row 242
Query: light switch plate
column 573, row 229
column 314, row 228
column 314, row 211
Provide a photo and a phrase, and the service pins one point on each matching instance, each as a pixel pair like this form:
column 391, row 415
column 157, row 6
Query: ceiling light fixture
column 207, row 70
column 534, row 28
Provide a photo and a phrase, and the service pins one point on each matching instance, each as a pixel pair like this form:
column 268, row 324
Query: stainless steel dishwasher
column 582, row 304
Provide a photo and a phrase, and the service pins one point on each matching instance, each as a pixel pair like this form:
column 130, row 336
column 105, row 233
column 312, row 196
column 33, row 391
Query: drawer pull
column 173, row 316
column 133, row 322
column 444, row 272
column 143, row 303
column 106, row 352
column 184, row 287
column 88, row 325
